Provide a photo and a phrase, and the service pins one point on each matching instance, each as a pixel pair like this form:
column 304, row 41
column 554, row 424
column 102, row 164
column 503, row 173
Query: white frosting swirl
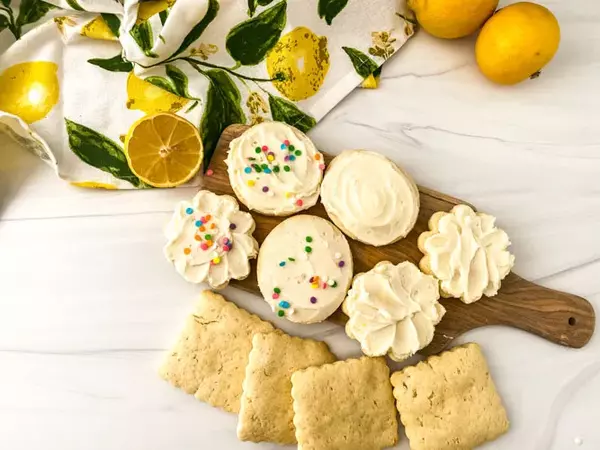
column 467, row 253
column 369, row 197
column 304, row 269
column 393, row 310
column 275, row 169
column 210, row 240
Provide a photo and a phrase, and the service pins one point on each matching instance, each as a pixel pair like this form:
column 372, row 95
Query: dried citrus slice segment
column 164, row 150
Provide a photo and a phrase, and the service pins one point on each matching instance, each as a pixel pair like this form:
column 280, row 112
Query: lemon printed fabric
column 76, row 74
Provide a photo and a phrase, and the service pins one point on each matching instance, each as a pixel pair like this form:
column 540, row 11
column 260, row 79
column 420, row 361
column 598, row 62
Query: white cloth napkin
column 73, row 70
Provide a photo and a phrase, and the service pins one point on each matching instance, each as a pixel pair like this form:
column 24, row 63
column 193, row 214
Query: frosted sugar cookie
column 304, row 269
column 210, row 240
column 466, row 252
column 393, row 310
column 369, row 197
column 275, row 169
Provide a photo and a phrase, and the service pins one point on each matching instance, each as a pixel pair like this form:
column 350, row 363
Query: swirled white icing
column 275, row 169
column 210, row 239
column 393, row 310
column 369, row 197
column 304, row 269
column 468, row 253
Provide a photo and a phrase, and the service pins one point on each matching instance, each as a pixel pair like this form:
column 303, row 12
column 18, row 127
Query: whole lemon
column 301, row 61
column 29, row 90
column 151, row 99
column 451, row 19
column 517, row 42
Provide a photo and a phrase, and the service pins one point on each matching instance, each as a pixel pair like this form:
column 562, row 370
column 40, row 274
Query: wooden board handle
column 562, row 318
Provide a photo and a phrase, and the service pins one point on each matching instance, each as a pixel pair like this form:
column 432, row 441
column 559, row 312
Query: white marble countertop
column 88, row 304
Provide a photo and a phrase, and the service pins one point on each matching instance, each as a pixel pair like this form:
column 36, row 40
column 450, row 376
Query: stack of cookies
column 291, row 390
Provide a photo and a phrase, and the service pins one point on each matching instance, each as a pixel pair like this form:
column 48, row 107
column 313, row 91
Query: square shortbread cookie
column 449, row 401
column 210, row 357
column 346, row 405
column 266, row 412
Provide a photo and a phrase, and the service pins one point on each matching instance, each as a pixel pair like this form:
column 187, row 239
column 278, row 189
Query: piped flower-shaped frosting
column 210, row 239
column 393, row 310
column 466, row 252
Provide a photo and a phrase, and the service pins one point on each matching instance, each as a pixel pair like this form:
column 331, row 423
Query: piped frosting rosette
column 210, row 240
column 466, row 252
column 369, row 197
column 393, row 310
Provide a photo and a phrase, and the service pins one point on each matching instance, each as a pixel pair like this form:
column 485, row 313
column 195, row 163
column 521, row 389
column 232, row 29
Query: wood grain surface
column 562, row 318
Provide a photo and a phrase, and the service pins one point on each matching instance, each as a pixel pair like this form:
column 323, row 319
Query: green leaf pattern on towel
column 73, row 4
column 115, row 64
column 328, row 9
column 176, row 82
column 248, row 42
column 31, row 11
column 142, row 35
column 363, row 65
column 283, row 110
column 223, row 108
column 253, row 3
column 113, row 22
column 98, row 151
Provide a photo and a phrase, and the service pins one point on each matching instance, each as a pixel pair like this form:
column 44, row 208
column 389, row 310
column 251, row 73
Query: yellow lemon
column 151, row 99
column 300, row 58
column 163, row 150
column 93, row 185
column 149, row 8
column 517, row 42
column 98, row 29
column 29, row 90
column 451, row 19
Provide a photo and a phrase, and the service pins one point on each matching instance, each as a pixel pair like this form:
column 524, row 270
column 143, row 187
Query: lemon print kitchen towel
column 76, row 75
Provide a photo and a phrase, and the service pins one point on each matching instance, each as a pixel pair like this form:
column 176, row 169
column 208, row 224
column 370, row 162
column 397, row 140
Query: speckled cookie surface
column 266, row 412
column 209, row 359
column 449, row 402
column 346, row 405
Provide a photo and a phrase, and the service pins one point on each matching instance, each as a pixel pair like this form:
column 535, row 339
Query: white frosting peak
column 393, row 310
column 369, row 197
column 468, row 254
column 210, row 239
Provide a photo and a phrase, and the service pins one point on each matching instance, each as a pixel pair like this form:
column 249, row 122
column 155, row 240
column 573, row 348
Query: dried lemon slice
column 164, row 150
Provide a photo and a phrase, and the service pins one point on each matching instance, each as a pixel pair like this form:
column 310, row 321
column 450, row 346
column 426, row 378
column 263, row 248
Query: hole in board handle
column 572, row 321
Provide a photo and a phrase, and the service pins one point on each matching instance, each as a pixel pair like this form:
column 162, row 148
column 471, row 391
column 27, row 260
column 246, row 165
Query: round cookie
column 369, row 197
column 275, row 169
column 304, row 269
column 210, row 240
column 393, row 310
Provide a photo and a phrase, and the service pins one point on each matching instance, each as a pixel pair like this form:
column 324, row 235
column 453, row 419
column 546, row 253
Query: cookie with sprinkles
column 210, row 240
column 275, row 169
column 304, row 269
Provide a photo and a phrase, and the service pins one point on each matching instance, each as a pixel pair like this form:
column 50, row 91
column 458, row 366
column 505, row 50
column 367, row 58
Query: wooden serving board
column 557, row 316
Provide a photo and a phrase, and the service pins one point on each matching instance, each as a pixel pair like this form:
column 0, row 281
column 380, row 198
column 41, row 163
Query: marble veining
column 88, row 305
